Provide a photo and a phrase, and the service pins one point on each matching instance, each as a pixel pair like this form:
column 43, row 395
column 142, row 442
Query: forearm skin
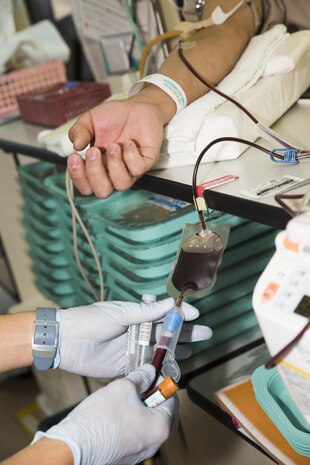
column 215, row 52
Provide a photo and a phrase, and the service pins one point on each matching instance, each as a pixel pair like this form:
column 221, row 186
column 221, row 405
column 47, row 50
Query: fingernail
column 74, row 163
column 112, row 149
column 91, row 155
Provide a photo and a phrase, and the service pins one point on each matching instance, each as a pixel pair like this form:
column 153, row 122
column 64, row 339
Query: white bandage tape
column 165, row 83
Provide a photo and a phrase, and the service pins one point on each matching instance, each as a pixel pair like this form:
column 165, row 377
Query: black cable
column 221, row 139
column 281, row 354
column 216, row 141
column 200, row 157
column 206, row 83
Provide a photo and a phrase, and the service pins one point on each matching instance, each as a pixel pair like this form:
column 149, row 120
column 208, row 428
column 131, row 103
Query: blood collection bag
column 198, row 259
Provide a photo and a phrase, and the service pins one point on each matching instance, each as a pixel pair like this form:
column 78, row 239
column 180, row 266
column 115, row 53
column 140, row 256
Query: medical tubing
column 216, row 141
column 259, row 125
column 279, row 198
column 206, row 83
column 281, row 354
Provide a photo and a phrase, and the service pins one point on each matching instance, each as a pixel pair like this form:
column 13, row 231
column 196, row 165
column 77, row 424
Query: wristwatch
column 45, row 338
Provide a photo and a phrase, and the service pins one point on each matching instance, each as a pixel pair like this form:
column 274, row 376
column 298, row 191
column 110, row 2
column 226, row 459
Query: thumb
column 143, row 377
column 82, row 132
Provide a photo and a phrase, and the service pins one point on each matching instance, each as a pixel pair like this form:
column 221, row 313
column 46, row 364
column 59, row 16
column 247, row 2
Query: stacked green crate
column 137, row 235
column 143, row 233
column 49, row 238
column 56, row 187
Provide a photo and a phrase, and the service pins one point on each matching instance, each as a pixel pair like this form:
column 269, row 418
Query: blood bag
column 198, row 259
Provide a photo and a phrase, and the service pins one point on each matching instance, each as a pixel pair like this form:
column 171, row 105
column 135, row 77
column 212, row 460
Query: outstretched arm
column 16, row 336
column 127, row 134
column 92, row 339
column 45, row 452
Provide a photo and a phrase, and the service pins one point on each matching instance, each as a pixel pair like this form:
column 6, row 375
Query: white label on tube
column 155, row 399
column 145, row 333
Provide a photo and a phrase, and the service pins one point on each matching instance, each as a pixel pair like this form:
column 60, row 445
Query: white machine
column 281, row 301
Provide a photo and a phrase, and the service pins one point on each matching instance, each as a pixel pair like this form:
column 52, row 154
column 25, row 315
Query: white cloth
column 267, row 98
column 288, row 54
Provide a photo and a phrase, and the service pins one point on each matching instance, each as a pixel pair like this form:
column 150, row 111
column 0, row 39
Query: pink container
column 28, row 79
column 57, row 104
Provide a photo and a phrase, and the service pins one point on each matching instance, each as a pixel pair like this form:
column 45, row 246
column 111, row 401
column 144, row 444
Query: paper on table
column 239, row 401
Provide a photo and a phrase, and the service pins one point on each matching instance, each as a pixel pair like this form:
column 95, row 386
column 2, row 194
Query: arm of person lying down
column 126, row 135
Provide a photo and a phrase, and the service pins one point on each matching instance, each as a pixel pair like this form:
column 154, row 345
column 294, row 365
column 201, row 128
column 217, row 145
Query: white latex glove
column 113, row 426
column 92, row 339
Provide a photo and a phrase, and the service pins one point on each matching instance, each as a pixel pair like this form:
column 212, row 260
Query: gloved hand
column 113, row 426
column 92, row 339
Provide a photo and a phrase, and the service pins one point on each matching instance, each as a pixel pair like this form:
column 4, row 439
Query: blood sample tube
column 160, row 393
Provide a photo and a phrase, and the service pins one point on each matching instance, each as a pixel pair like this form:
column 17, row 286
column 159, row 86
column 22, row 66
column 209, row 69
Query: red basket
column 25, row 80
column 55, row 105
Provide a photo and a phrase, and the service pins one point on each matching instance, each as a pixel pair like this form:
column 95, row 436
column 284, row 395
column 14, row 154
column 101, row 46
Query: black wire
column 206, row 83
column 221, row 139
column 280, row 199
column 200, row 157
column 216, row 141
column 281, row 354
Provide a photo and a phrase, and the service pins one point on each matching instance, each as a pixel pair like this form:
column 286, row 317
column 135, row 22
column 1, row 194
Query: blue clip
column 290, row 156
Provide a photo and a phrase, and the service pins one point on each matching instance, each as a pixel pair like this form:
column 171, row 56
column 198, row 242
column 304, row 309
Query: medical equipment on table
column 281, row 302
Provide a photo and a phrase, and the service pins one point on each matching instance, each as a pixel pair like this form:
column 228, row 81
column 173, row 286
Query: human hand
column 92, row 339
column 125, row 135
column 113, row 426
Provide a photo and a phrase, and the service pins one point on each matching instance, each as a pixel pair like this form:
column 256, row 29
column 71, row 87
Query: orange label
column 291, row 245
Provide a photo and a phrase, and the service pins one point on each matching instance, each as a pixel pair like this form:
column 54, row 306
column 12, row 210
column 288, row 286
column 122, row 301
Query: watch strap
column 45, row 338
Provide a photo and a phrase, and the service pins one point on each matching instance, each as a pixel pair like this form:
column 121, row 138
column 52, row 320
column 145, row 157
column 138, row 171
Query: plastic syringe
column 168, row 338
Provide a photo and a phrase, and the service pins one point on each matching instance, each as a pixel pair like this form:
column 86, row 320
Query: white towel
column 288, row 54
column 210, row 118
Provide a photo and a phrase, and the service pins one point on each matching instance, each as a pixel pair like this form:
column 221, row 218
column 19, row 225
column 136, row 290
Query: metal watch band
column 45, row 338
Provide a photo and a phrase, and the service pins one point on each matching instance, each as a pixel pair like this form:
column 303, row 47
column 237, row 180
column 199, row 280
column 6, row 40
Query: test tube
column 138, row 340
column 167, row 388
column 131, row 343
column 144, row 335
